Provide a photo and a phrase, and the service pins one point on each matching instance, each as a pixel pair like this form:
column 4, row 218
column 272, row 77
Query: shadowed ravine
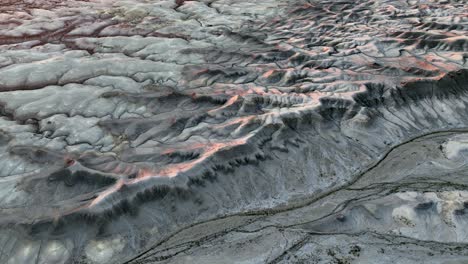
column 302, row 218
column 221, row 131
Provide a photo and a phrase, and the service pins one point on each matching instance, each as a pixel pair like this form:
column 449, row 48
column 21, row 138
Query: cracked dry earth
column 233, row 131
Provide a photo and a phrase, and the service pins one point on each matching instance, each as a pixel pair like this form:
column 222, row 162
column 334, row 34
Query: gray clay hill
column 233, row 131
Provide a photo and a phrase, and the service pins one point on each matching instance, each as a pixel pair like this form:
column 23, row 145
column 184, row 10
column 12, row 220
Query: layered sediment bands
column 222, row 131
column 411, row 204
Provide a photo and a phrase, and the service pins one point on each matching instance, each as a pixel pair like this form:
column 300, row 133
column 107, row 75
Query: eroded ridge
column 126, row 121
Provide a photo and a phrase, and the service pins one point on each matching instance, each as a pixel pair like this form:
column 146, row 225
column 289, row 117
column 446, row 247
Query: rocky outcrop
column 229, row 131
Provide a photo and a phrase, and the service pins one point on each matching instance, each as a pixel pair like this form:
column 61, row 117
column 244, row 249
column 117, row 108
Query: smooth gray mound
column 232, row 131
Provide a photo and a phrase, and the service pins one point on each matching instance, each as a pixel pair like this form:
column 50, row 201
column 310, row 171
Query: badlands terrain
column 233, row 131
